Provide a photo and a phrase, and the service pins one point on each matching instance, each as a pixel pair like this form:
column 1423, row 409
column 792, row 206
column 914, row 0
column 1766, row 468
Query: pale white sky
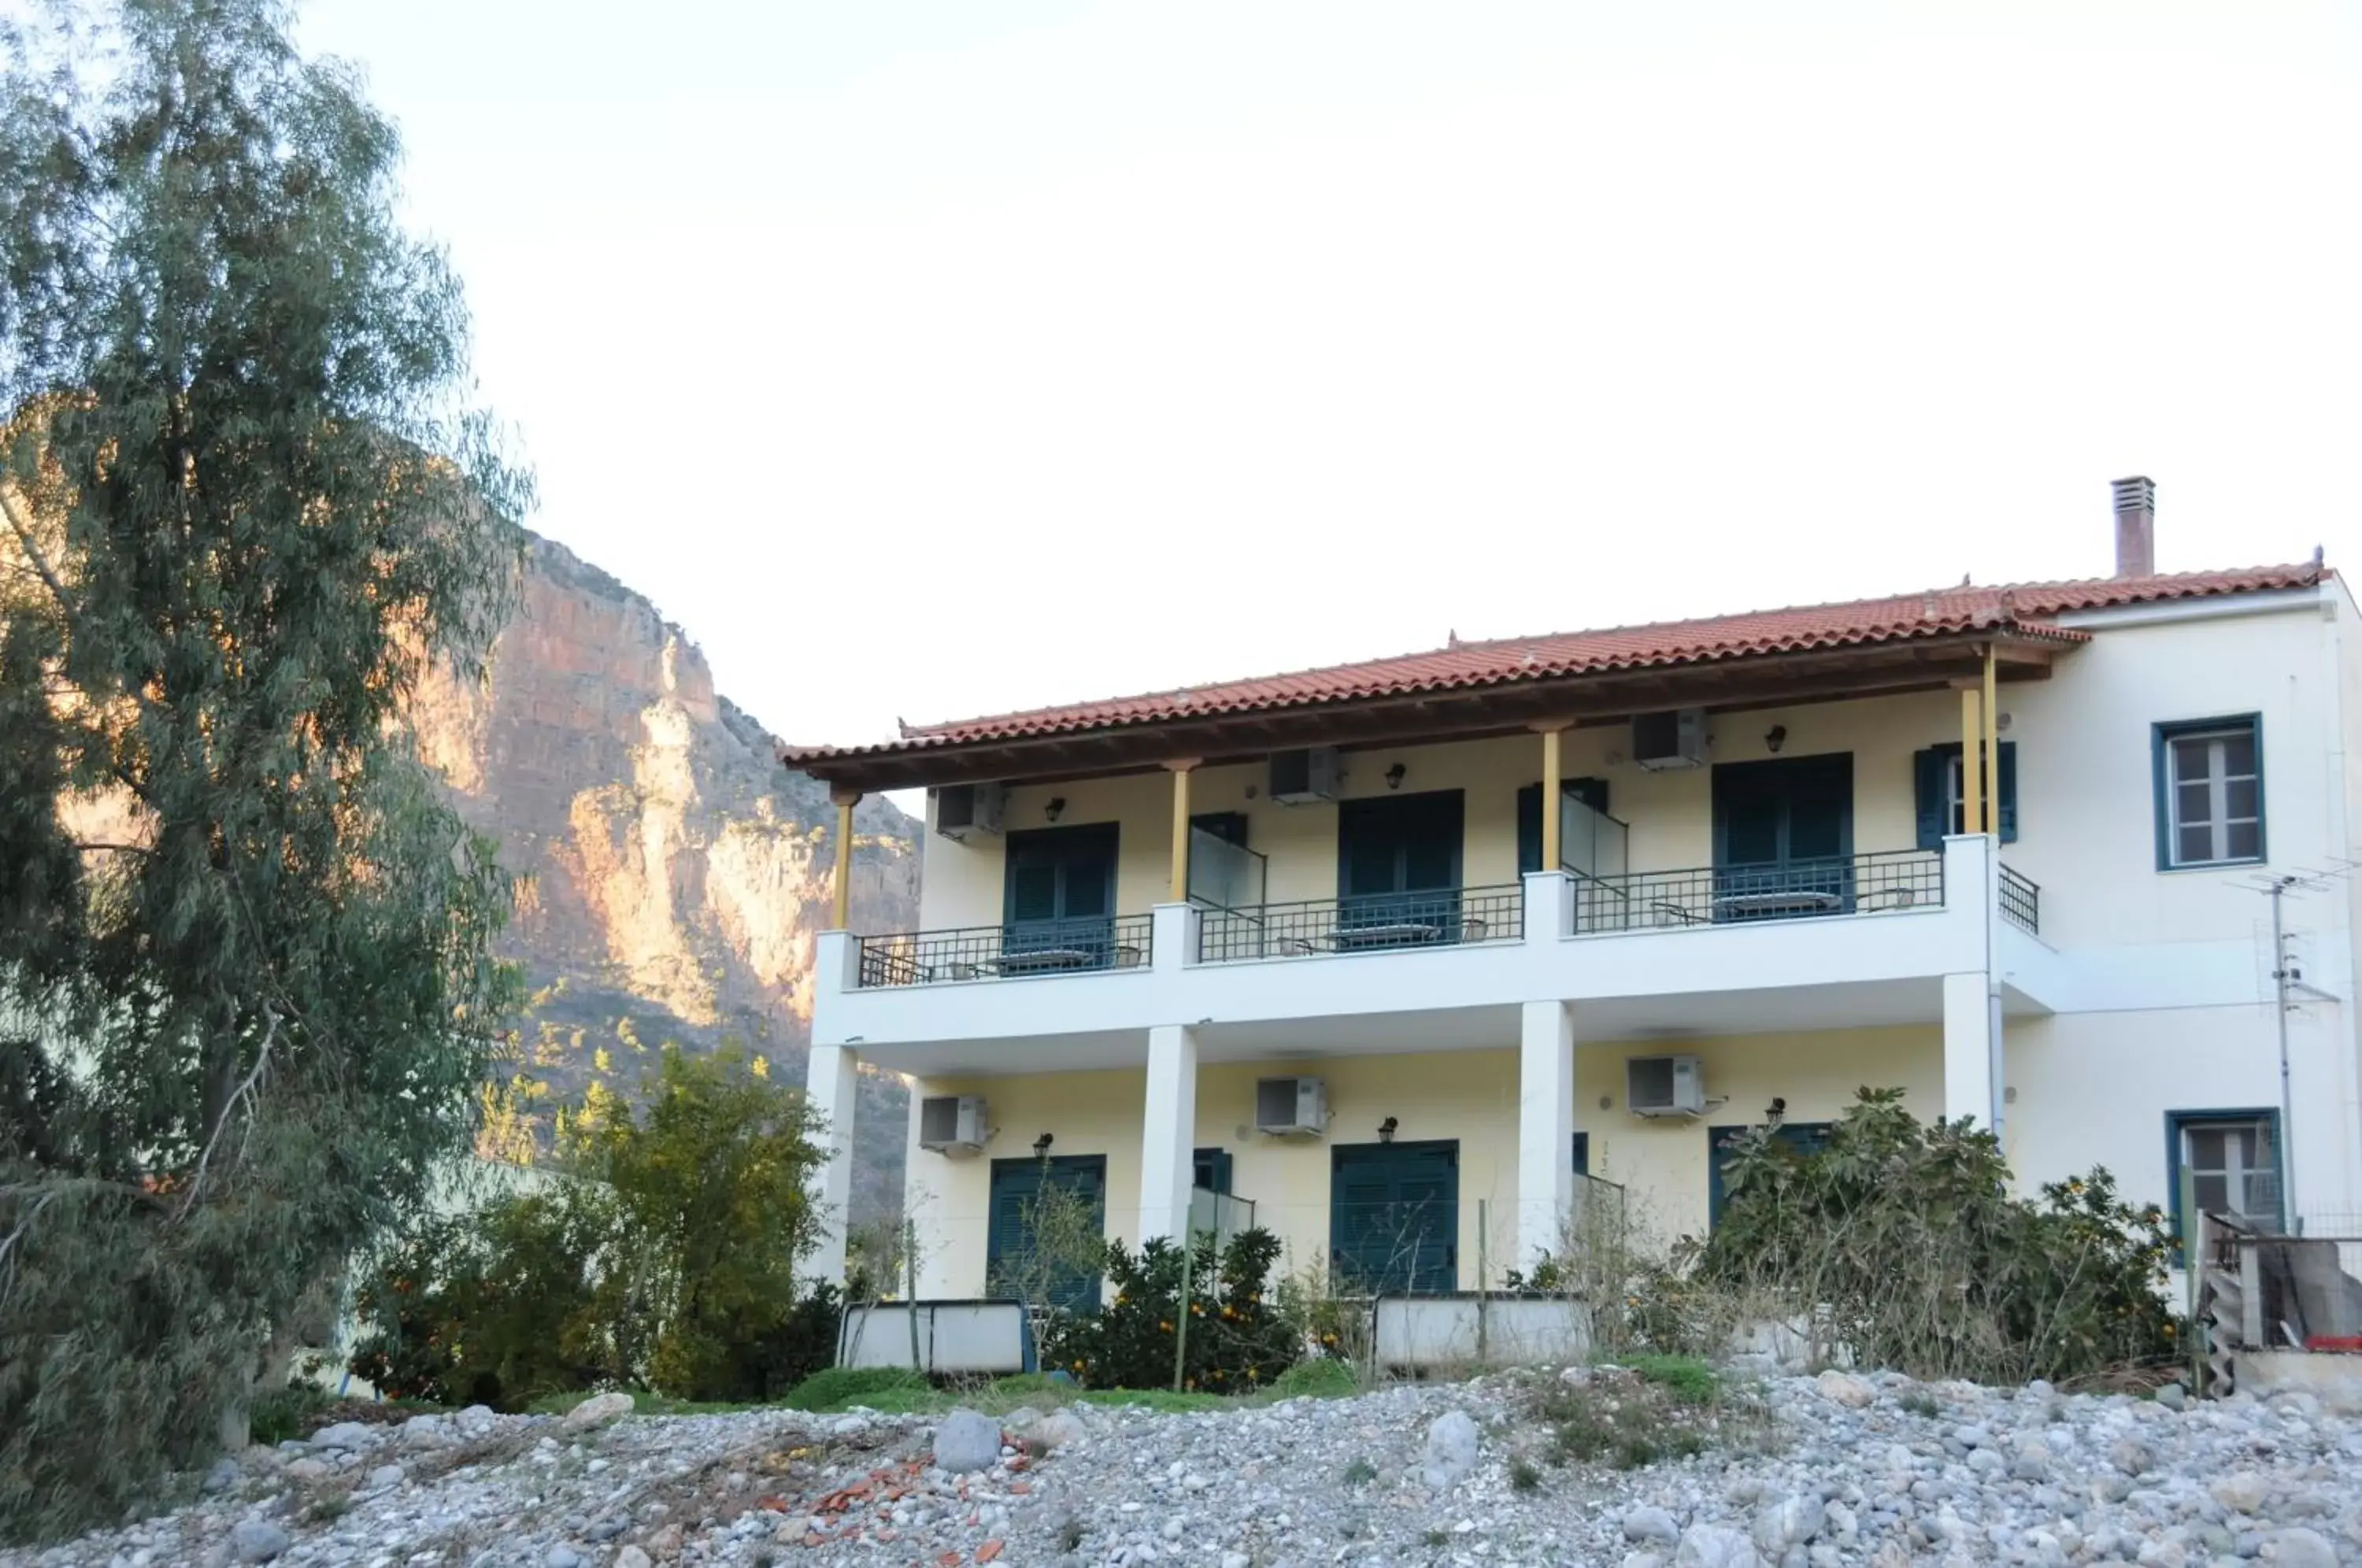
column 937, row 359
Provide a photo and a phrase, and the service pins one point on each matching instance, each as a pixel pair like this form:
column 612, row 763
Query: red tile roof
column 2022, row 609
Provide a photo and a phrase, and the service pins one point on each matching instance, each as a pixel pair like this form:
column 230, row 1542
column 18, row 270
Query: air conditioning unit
column 1299, row 778
column 1294, row 1107
column 1664, row 1086
column 952, row 1123
column 965, row 808
column 1675, row 739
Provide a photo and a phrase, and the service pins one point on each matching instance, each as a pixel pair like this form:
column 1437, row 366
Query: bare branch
column 241, row 1095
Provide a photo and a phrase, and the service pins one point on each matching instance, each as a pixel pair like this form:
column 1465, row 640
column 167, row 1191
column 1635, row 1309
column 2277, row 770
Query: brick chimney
column 2136, row 527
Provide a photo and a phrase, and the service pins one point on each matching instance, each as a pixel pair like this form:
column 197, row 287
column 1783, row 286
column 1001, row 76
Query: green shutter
column 1927, row 794
column 2009, row 791
column 1529, row 829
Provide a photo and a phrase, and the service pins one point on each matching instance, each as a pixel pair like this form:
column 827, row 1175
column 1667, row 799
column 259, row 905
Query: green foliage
column 1687, row 1378
column 1921, row 1403
column 1525, row 1476
column 665, row 1260
column 1323, row 1377
column 282, row 1415
column 246, row 986
column 1901, row 1242
column 1361, row 1473
column 839, row 1387
column 1237, row 1341
column 1624, row 1419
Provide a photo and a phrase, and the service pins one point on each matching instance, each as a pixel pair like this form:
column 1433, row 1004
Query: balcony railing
column 1369, row 922
column 2021, row 901
column 1879, row 882
column 1005, row 952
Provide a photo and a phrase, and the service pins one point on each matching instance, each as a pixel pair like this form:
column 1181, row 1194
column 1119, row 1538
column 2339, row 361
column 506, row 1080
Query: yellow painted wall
column 1671, row 814
column 1468, row 1096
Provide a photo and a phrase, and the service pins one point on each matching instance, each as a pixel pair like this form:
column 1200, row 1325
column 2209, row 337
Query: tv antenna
column 2287, row 979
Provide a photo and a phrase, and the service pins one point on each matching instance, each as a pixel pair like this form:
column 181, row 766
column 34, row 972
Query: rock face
column 672, row 876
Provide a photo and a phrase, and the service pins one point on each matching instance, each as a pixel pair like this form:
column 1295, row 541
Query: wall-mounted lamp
column 1055, row 809
column 1775, row 738
column 1387, row 1131
column 1394, row 775
column 1042, row 1147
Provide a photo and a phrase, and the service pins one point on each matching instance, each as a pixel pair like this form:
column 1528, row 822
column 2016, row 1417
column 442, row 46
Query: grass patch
column 285, row 1414
column 893, row 1389
column 1323, row 1378
column 1525, row 1476
column 1685, row 1377
column 1629, row 1417
column 1070, row 1536
column 1361, row 1473
column 1436, row 1538
column 1163, row 1400
column 1919, row 1402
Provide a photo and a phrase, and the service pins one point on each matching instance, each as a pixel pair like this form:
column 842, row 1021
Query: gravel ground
column 1837, row 1470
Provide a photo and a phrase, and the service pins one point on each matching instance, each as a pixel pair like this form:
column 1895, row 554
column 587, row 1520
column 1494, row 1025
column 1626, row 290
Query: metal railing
column 1368, row 922
column 1879, row 881
column 1005, row 952
column 2021, row 901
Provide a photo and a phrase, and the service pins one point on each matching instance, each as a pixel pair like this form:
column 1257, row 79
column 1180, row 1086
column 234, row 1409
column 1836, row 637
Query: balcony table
column 1043, row 960
column 1403, row 933
column 1786, row 901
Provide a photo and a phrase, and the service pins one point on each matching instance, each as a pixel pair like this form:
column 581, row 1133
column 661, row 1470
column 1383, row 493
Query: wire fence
column 1877, row 882
column 1007, row 952
column 1374, row 923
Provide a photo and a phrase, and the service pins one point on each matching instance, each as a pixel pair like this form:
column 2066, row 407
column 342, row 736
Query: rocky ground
column 1837, row 1470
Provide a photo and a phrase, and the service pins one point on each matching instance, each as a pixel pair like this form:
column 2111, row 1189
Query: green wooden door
column 1394, row 1216
column 1805, row 1137
column 1783, row 837
column 1017, row 1184
column 1058, row 896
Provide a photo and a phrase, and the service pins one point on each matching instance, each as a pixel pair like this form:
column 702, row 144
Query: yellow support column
column 1181, row 828
column 842, row 891
column 1551, row 815
column 1992, row 745
column 1972, row 799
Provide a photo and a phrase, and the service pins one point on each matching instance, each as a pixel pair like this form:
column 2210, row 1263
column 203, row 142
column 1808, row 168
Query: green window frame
column 1592, row 792
column 1935, row 792
column 2250, row 1161
column 2207, row 776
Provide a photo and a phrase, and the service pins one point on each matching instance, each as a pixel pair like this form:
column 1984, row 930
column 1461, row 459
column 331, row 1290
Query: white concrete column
column 1545, row 1127
column 1971, row 1078
column 1550, row 906
column 1168, row 1131
column 836, row 970
column 1173, row 940
column 831, row 1078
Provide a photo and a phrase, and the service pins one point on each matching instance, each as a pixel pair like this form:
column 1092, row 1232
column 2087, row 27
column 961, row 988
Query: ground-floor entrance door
column 1805, row 1137
column 1013, row 1265
column 1394, row 1216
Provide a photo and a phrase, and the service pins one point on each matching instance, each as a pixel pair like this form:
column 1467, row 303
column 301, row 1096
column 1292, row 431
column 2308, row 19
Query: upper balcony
column 1861, row 939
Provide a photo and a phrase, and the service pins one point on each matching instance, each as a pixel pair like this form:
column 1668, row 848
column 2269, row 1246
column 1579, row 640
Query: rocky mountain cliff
column 672, row 875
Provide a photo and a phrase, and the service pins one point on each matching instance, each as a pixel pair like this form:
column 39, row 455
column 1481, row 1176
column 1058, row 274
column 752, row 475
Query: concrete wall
column 1467, row 1096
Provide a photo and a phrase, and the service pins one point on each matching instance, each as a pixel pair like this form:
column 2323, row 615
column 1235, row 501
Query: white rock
column 1715, row 1546
column 1845, row 1388
column 258, row 1540
column 425, row 1432
column 2301, row 1548
column 2244, row 1491
column 1240, row 1558
column 1785, row 1522
column 633, row 1557
column 1645, row 1523
column 1452, row 1442
column 965, row 1441
column 387, row 1476
column 599, row 1410
column 343, row 1436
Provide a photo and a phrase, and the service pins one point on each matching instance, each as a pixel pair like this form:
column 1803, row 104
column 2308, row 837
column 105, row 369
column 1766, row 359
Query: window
column 2233, row 1161
column 2210, row 792
column 1935, row 778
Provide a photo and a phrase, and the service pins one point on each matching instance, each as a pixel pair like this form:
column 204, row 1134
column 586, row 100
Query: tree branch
column 242, row 1093
column 22, row 530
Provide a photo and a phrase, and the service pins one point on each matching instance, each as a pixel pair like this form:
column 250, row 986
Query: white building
column 1762, row 887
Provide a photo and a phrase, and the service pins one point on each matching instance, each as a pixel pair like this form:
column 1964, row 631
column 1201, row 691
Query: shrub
column 284, row 1414
column 1237, row 1340
column 666, row 1261
column 1900, row 1241
column 834, row 1387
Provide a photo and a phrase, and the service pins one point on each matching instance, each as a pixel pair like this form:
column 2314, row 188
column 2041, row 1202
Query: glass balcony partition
column 1593, row 849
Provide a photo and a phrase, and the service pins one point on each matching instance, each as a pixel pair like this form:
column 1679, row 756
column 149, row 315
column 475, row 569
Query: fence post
column 1483, row 1336
column 1181, row 1315
column 2193, row 1269
column 910, row 1289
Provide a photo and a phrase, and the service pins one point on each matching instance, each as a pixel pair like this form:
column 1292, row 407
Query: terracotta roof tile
column 2025, row 608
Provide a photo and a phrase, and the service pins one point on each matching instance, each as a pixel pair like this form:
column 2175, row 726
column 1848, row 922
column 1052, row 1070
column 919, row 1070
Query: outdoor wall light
column 1055, row 809
column 1042, row 1147
column 1394, row 775
column 1387, row 1131
column 1775, row 738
